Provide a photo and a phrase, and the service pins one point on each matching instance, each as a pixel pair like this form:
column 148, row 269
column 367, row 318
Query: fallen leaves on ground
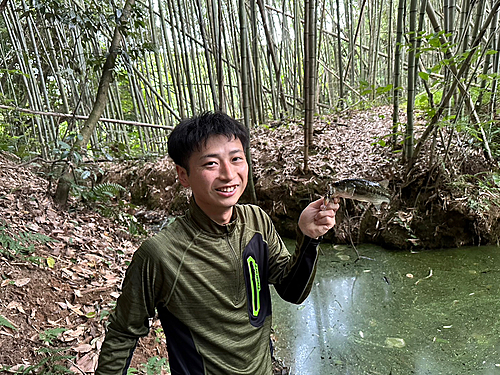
column 70, row 282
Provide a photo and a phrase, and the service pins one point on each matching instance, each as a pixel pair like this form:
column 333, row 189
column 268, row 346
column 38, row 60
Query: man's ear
column 183, row 175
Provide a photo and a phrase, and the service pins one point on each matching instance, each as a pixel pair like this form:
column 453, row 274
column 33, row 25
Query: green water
column 432, row 312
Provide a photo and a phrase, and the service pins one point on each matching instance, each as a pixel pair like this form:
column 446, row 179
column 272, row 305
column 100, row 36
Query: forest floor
column 61, row 270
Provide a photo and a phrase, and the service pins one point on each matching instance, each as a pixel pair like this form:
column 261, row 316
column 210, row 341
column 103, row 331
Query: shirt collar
column 201, row 219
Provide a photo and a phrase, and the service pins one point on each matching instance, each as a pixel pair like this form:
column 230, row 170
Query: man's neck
column 223, row 218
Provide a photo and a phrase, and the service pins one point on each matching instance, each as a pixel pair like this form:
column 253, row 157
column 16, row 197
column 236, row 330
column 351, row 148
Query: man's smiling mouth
column 227, row 189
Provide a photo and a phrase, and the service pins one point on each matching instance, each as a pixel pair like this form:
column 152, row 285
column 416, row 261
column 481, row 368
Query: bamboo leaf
column 63, row 145
column 5, row 323
column 423, row 75
column 384, row 89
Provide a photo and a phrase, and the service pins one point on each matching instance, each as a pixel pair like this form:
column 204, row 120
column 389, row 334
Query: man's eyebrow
column 232, row 152
column 236, row 151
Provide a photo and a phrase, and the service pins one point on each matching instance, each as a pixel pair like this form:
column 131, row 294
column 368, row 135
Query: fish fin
column 384, row 183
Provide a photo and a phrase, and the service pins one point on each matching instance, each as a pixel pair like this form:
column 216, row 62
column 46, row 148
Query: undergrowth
column 21, row 245
column 154, row 366
column 105, row 199
column 52, row 363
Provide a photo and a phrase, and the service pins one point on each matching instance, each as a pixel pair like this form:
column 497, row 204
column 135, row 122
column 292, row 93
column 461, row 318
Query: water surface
column 431, row 312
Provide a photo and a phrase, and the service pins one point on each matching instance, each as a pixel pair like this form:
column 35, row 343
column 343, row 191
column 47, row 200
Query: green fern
column 108, row 189
column 103, row 193
column 52, row 364
column 21, row 245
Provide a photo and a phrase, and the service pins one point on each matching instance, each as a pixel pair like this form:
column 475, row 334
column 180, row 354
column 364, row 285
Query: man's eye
column 210, row 164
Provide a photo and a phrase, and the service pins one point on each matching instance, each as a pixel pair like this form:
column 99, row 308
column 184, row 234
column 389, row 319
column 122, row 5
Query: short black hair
column 193, row 133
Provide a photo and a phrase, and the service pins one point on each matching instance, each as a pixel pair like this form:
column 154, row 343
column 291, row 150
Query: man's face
column 218, row 175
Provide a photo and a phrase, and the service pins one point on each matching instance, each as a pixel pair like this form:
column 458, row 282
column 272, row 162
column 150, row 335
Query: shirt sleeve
column 130, row 319
column 300, row 270
column 292, row 275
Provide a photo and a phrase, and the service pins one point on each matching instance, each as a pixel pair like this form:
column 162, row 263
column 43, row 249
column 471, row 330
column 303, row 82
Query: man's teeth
column 227, row 189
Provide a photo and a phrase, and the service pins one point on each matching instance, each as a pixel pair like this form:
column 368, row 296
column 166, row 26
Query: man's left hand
column 317, row 219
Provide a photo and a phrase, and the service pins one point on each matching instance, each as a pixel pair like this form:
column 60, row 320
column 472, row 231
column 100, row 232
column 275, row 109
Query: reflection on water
column 433, row 312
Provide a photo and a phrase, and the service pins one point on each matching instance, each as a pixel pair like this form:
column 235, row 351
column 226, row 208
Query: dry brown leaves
column 75, row 284
column 344, row 147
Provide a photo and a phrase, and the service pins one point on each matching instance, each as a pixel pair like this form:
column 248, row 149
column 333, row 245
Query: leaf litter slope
column 88, row 259
column 344, row 147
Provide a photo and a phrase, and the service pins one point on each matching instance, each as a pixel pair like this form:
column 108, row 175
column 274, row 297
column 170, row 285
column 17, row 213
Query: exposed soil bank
column 446, row 200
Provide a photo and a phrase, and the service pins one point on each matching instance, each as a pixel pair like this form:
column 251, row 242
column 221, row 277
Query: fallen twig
column 428, row 276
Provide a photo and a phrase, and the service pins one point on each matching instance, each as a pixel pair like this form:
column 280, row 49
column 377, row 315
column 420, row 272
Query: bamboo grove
column 257, row 60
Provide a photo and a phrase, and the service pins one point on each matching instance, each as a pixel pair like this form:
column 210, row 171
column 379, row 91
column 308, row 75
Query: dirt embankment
column 446, row 200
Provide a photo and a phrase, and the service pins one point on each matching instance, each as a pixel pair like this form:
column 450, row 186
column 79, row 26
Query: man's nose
column 227, row 171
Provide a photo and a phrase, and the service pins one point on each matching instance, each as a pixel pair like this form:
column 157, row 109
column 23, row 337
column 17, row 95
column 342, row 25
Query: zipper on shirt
column 237, row 269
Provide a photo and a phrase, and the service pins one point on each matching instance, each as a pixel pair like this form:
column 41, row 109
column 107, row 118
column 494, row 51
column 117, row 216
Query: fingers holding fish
column 330, row 203
column 325, row 218
column 323, row 225
column 329, row 211
column 317, row 218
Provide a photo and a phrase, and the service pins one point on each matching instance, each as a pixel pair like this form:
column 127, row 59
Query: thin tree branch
column 81, row 117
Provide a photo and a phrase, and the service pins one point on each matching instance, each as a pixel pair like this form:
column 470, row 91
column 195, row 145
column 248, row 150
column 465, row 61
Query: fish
column 360, row 190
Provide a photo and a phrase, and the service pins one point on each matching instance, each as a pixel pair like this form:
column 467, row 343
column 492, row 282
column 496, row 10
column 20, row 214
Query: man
column 206, row 275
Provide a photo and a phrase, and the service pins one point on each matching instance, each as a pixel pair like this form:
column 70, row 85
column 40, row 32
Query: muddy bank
column 436, row 205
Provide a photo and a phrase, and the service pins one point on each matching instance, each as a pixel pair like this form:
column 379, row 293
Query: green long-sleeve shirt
column 209, row 285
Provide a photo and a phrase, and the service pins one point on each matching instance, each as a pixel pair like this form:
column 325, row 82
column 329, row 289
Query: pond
column 428, row 312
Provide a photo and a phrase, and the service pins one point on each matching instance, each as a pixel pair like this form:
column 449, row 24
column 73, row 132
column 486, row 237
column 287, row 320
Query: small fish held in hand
column 358, row 189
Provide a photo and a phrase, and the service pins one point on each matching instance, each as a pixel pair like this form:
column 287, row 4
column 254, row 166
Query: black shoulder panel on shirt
column 256, row 269
column 182, row 354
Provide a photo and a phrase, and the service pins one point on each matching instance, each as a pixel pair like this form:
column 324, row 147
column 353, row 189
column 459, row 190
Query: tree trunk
column 309, row 75
column 494, row 83
column 408, row 142
column 487, row 61
column 250, row 190
column 397, row 74
column 339, row 48
column 463, row 29
column 67, row 179
column 272, row 52
column 204, row 38
column 256, row 66
column 353, row 42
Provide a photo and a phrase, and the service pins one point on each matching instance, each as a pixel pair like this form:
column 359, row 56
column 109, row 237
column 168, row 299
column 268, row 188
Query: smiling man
column 217, row 176
column 207, row 275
